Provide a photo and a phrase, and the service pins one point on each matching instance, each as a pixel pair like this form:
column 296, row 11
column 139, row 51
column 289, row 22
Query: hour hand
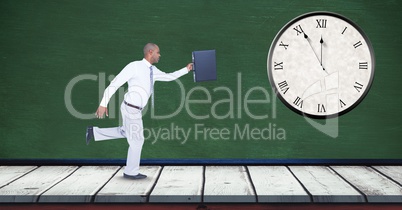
column 321, row 42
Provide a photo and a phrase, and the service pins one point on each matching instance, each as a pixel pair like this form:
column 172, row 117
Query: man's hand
column 101, row 111
column 190, row 66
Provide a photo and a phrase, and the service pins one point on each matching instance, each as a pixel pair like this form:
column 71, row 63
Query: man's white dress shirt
column 137, row 75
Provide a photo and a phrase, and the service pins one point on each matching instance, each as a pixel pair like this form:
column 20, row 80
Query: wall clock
column 321, row 65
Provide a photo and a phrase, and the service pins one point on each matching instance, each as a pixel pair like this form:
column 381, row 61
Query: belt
column 134, row 106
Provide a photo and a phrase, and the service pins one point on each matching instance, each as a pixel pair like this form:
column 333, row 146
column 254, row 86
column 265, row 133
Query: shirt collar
column 146, row 62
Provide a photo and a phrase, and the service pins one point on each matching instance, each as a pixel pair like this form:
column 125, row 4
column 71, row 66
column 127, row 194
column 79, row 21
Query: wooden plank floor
column 179, row 184
column 228, row 184
column 325, row 186
column 276, row 184
column 121, row 190
column 202, row 184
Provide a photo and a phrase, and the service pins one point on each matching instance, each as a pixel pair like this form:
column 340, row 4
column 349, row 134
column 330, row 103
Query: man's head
column 152, row 53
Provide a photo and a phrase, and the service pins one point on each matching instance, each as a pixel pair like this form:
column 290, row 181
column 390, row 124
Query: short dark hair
column 148, row 47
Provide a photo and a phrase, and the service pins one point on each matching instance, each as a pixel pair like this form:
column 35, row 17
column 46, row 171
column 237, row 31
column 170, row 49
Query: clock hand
column 306, row 37
column 321, row 41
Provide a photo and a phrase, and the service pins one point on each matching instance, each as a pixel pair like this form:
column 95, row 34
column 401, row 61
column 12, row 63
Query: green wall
column 47, row 44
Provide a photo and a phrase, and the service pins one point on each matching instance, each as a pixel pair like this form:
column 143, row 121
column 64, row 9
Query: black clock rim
column 275, row 41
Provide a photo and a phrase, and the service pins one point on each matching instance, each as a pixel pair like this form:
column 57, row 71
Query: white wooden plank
column 325, row 185
column 227, row 184
column 276, row 184
column 394, row 172
column 81, row 186
column 120, row 189
column 29, row 187
column 375, row 186
column 179, row 184
column 11, row 173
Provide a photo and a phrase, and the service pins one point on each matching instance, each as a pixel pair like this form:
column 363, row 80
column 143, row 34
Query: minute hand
column 306, row 37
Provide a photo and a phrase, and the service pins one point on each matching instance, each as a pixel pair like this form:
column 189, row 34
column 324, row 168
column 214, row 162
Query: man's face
column 155, row 55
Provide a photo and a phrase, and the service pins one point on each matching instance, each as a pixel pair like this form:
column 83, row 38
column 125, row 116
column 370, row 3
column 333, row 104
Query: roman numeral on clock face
column 284, row 45
column 321, row 23
column 283, row 86
column 278, row 66
column 298, row 102
column 363, row 65
column 298, row 30
column 357, row 44
column 358, row 86
column 344, row 30
column 321, row 108
column 342, row 104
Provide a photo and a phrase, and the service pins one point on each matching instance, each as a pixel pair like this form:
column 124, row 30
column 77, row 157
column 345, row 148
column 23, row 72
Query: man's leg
column 132, row 123
column 134, row 150
column 101, row 134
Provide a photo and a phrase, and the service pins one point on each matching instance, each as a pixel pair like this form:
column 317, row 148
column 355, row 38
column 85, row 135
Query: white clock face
column 321, row 65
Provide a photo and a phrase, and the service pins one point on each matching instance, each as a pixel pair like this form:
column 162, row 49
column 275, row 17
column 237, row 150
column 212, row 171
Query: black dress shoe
column 138, row 176
column 90, row 133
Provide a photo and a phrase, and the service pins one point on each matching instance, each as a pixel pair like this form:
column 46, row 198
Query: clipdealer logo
column 201, row 132
column 237, row 104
